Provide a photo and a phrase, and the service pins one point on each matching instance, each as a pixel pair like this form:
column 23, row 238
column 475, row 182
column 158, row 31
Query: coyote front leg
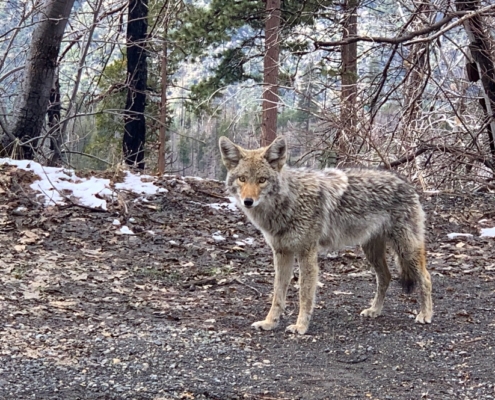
column 283, row 262
column 308, row 280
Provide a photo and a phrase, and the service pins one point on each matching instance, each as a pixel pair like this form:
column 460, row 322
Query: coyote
column 300, row 210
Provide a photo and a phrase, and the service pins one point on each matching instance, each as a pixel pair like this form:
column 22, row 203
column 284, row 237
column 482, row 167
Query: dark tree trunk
column 54, row 110
column 39, row 75
column 163, row 105
column 479, row 47
column 135, row 123
column 270, row 71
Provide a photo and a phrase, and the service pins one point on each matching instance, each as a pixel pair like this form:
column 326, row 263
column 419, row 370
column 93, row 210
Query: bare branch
column 464, row 15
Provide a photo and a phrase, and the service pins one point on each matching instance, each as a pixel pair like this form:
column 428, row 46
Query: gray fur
column 301, row 210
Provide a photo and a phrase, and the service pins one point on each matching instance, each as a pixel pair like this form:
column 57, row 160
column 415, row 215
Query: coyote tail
column 407, row 280
column 411, row 268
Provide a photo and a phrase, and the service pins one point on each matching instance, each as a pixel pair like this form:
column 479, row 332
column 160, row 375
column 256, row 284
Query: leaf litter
column 91, row 313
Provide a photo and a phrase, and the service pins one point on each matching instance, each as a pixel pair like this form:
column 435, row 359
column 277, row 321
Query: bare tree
column 482, row 54
column 135, row 123
column 39, row 77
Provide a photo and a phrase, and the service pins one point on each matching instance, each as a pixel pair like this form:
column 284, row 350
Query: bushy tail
column 407, row 280
column 412, row 263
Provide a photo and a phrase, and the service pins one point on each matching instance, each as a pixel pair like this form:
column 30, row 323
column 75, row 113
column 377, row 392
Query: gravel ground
column 87, row 313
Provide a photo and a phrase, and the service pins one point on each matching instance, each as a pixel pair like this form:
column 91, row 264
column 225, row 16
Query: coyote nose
column 248, row 202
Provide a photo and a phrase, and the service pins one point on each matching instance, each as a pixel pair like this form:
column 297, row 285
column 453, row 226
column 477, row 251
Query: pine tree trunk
column 349, row 77
column 39, row 75
column 270, row 71
column 135, row 123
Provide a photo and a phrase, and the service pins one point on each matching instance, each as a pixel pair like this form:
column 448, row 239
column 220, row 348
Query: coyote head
column 253, row 174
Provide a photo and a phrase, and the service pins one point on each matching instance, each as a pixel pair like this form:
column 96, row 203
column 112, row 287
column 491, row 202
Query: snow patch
column 126, row 231
column 454, row 235
column 488, row 232
column 230, row 206
column 217, row 237
column 249, row 241
column 56, row 184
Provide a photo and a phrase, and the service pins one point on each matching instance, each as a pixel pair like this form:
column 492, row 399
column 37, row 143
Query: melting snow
column 220, row 206
column 454, row 235
column 89, row 192
column 217, row 237
column 126, row 231
column 488, row 232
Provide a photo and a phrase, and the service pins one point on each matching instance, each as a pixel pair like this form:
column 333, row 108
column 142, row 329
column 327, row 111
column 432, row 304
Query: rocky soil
column 89, row 313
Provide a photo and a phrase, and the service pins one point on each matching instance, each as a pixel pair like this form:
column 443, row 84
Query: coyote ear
column 231, row 154
column 276, row 153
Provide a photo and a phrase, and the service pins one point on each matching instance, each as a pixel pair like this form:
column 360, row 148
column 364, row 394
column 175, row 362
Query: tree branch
column 464, row 15
column 444, row 149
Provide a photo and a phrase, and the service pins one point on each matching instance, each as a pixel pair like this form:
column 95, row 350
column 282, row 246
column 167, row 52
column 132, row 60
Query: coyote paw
column 297, row 328
column 371, row 312
column 265, row 325
column 422, row 318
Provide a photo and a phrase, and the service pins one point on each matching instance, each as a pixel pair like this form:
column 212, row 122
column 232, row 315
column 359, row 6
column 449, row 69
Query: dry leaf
column 29, row 237
column 80, row 277
column 62, row 304
column 28, row 295
column 188, row 264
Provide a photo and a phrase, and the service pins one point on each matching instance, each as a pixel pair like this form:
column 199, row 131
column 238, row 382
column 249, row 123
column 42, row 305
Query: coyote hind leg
column 375, row 251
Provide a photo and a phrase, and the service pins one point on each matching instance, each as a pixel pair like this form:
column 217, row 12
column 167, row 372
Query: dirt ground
column 88, row 313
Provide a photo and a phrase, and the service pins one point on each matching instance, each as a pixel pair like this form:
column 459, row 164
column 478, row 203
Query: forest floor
column 87, row 312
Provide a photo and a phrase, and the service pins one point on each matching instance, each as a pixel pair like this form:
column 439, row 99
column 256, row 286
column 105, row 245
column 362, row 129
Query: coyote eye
column 242, row 179
column 261, row 180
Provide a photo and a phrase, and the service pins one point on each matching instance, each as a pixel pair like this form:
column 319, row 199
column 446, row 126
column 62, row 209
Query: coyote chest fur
column 299, row 211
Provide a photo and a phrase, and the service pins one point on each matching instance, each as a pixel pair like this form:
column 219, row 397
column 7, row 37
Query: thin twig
column 248, row 286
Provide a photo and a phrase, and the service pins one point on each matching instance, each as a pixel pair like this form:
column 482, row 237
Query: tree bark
column 135, row 122
column 163, row 105
column 417, row 67
column 349, row 77
column 476, row 30
column 39, row 75
column 270, row 71
column 54, row 109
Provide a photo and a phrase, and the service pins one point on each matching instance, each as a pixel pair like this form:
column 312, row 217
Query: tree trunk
column 135, row 123
column 476, row 30
column 417, row 65
column 163, row 105
column 270, row 71
column 39, row 75
column 349, row 77
column 55, row 106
